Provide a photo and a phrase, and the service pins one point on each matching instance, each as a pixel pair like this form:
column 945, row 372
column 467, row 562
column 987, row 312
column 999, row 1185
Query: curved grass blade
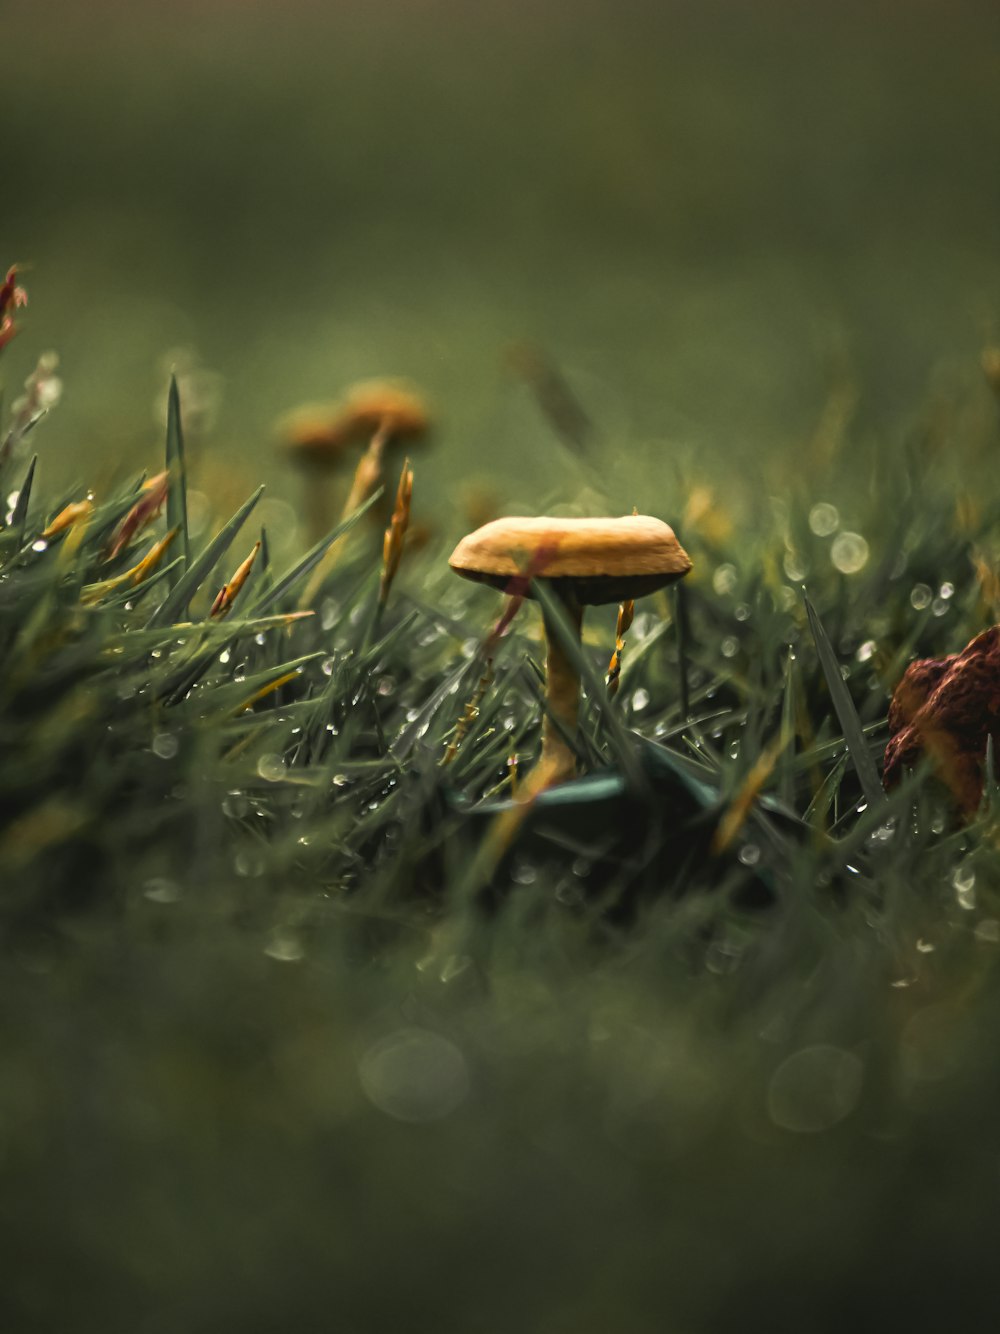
column 178, row 598
column 19, row 517
column 177, row 485
column 311, row 559
column 847, row 715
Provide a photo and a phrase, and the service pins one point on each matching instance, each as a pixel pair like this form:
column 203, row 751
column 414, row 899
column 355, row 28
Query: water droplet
column 454, row 966
column 796, row 568
column 386, row 685
column 946, row 591
column 939, row 606
column 340, row 780
column 329, row 613
column 523, row 873
column 920, row 597
column 285, row 947
column 815, row 1089
column 235, row 805
column 640, row 700
column 260, row 639
column 165, row 745
column 824, row 519
column 40, row 545
column 271, row 768
column 866, row 650
column 924, row 947
column 414, row 1075
column 849, row 553
column 248, row 863
column 225, row 655
column 749, row 854
column 730, row 646
column 964, row 883
column 161, row 890
column 724, row 580
column 742, row 612
column 327, row 666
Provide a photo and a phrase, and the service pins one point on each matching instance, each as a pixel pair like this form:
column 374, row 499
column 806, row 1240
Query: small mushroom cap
column 318, row 435
column 390, row 404
column 314, row 436
column 589, row 560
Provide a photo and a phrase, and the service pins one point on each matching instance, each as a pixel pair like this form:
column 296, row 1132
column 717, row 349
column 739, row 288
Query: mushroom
column 318, row 437
column 584, row 562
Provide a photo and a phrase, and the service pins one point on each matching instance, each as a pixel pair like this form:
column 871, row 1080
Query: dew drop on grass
column 271, row 767
column 165, row 745
column 939, row 606
column 225, row 655
column 946, row 591
column 920, row 597
column 824, row 519
column 742, row 612
column 796, row 568
column 640, row 700
column 729, row 647
column 963, row 882
column 161, row 890
column 235, row 805
column 284, row 947
column 327, row 666
column 340, row 780
column 866, row 650
column 40, row 545
column 749, row 854
column 454, row 966
column 523, row 873
column 414, row 1075
column 329, row 614
column 815, row 1089
column 849, row 553
column 249, row 864
column 724, row 580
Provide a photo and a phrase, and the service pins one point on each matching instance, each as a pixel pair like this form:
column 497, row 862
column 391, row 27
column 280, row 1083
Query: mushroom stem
column 562, row 697
column 317, row 507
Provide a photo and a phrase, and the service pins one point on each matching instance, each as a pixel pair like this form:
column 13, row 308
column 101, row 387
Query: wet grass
column 303, row 1025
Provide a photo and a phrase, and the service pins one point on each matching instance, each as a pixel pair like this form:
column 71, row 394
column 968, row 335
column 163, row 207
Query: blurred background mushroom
column 319, row 440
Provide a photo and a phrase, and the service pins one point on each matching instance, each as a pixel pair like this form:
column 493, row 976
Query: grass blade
column 177, row 485
column 19, row 517
column 310, row 560
column 847, row 715
column 196, row 574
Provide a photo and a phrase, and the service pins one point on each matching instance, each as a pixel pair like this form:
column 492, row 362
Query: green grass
column 292, row 1041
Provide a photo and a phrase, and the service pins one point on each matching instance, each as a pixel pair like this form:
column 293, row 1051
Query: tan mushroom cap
column 319, row 434
column 392, row 404
column 591, row 560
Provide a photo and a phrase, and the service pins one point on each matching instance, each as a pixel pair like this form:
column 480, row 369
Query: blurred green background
column 709, row 214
